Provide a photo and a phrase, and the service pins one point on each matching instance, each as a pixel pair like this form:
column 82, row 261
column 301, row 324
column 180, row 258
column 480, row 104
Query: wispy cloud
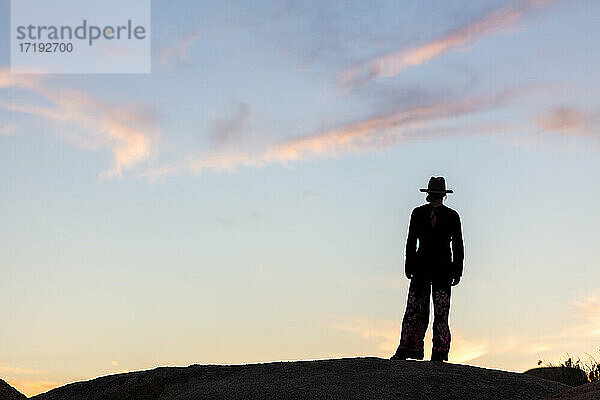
column 382, row 336
column 128, row 130
column 570, row 121
column 179, row 51
column 385, row 334
column 589, row 310
column 8, row 129
column 8, row 80
column 522, row 344
column 373, row 133
column 18, row 370
column 587, row 318
column 32, row 387
column 577, row 334
column 27, row 386
column 227, row 131
column 382, row 333
column 580, row 329
column 464, row 350
column 394, row 63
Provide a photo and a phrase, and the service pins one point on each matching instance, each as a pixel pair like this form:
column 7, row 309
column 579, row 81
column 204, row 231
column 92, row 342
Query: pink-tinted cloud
column 569, row 120
column 17, row 80
column 373, row 133
column 128, row 130
column 394, row 63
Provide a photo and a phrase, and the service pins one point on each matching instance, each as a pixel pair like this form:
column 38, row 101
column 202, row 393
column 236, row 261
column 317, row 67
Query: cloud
column 569, row 120
column 394, row 63
column 18, row 370
column 522, row 344
column 178, row 52
column 464, row 350
column 131, row 131
column 586, row 316
column 579, row 330
column 128, row 130
column 8, row 80
column 382, row 333
column 8, row 129
column 227, row 131
column 577, row 333
column 385, row 334
column 377, row 132
column 32, row 388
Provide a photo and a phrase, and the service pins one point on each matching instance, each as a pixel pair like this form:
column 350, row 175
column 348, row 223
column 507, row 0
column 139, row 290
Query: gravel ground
column 589, row 391
column 347, row 378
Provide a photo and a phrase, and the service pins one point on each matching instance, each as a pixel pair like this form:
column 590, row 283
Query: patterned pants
column 416, row 317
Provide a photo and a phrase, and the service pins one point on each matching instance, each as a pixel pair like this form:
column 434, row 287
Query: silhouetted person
column 432, row 267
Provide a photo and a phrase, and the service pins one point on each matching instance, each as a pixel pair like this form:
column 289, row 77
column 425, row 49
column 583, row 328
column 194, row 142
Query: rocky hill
column 8, row 392
column 589, row 391
column 348, row 378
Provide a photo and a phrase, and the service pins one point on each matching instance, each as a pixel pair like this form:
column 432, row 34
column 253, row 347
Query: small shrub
column 590, row 366
column 593, row 370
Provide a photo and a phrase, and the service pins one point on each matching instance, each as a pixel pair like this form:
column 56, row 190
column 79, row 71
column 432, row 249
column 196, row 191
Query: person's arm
column 458, row 250
column 411, row 247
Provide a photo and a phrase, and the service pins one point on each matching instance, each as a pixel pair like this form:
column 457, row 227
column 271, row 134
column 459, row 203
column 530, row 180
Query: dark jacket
column 434, row 258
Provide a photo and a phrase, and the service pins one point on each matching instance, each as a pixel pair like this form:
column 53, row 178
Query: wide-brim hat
column 437, row 185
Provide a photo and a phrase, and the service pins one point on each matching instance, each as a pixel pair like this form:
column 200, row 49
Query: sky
column 248, row 200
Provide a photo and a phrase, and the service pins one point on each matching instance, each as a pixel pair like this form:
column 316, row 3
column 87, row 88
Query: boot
column 402, row 354
column 437, row 355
